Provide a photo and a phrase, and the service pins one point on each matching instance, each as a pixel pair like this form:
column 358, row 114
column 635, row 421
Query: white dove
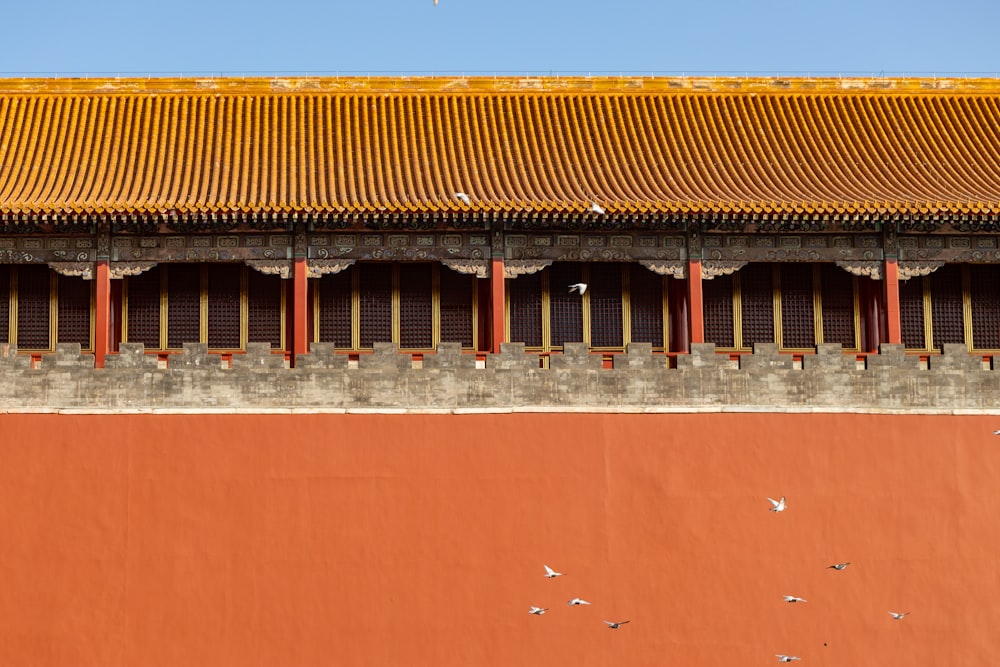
column 578, row 287
column 550, row 573
column 792, row 598
column 839, row 566
column 464, row 198
column 538, row 611
column 786, row 658
column 996, row 432
column 616, row 625
column 594, row 208
column 897, row 615
column 576, row 602
column 779, row 505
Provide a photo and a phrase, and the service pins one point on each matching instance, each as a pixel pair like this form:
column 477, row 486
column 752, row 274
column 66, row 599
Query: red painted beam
column 102, row 313
column 892, row 301
column 497, row 309
column 300, row 309
column 695, row 301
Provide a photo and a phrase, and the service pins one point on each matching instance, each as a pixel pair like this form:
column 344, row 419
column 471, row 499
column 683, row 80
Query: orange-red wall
column 419, row 540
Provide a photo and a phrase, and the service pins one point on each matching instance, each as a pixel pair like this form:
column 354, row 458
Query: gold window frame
column 967, row 330
column 54, row 278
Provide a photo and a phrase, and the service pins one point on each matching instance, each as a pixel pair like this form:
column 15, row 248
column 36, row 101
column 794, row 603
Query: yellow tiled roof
column 637, row 145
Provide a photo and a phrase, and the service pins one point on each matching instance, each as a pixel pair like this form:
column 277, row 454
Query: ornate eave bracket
column 271, row 267
column 479, row 268
column 712, row 268
column 83, row 270
column 122, row 269
column 512, row 268
column 909, row 270
column 863, row 268
column 666, row 267
column 317, row 268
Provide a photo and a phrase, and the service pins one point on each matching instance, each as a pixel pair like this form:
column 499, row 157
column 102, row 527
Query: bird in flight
column 578, row 287
column 615, row 626
column 576, row 602
column 778, row 505
column 550, row 573
column 996, row 432
column 786, row 658
column 897, row 615
column 461, row 196
column 537, row 611
column 839, row 566
column 792, row 598
column 595, row 208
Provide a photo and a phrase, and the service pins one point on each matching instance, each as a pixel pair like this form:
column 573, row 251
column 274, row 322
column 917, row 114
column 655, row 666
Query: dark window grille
column 4, row 304
column 606, row 319
column 224, row 295
column 375, row 296
column 456, row 307
column 416, row 306
column 335, row 308
column 947, row 320
column 984, row 288
column 717, row 299
column 911, row 313
column 646, row 305
column 74, row 311
column 524, row 299
column 183, row 304
column 144, row 308
column 565, row 308
column 263, row 309
column 33, row 307
column 798, row 323
column 757, row 302
column 838, row 306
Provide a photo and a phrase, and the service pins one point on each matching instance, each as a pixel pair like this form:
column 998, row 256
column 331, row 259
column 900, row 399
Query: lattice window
column 335, row 292
column 33, row 307
column 224, row 295
column 984, row 293
column 717, row 298
column 911, row 313
column 74, row 311
column 839, row 311
column 605, row 300
column 183, row 304
column 416, row 306
column 5, row 304
column 143, row 311
column 646, row 306
column 565, row 308
column 263, row 308
column 457, row 311
column 798, row 321
column 947, row 319
column 375, row 301
column 757, row 304
column 524, row 299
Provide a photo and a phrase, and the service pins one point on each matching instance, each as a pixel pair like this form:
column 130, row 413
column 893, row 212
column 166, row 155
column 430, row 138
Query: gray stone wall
column 512, row 380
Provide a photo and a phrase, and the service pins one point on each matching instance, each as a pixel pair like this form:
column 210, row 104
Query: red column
column 300, row 309
column 497, row 304
column 697, row 311
column 102, row 313
column 892, row 300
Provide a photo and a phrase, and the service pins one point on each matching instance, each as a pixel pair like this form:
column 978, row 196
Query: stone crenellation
column 450, row 380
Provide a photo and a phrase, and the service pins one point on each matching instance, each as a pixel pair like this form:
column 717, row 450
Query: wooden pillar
column 497, row 304
column 895, row 330
column 300, row 308
column 695, row 302
column 102, row 313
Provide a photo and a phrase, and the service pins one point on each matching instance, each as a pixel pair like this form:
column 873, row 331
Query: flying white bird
column 897, row 615
column 779, row 505
column 839, row 566
column 578, row 287
column 615, row 626
column 594, row 208
column 550, row 573
column 786, row 658
column 576, row 602
column 792, row 598
column 996, row 432
column 537, row 611
column 461, row 196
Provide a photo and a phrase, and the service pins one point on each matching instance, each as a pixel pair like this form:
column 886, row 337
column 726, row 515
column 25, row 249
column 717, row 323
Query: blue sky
column 767, row 37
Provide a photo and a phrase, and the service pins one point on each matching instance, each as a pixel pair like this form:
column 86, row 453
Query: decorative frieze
column 83, row 270
column 665, row 267
column 519, row 267
column 122, row 269
column 791, row 247
column 316, row 268
column 909, row 269
column 869, row 269
column 479, row 268
column 711, row 268
column 272, row 267
column 950, row 249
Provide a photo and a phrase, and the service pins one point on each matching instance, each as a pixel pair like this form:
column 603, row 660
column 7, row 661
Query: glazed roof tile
column 646, row 145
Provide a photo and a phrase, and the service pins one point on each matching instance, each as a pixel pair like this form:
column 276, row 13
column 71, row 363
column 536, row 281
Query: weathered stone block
column 67, row 355
column 10, row 359
column 765, row 356
column 893, row 356
column 512, row 356
column 638, row 355
column 130, row 355
column 576, row 356
column 702, row 355
column 829, row 357
column 258, row 357
column 195, row 356
column 449, row 355
column 385, row 357
column 956, row 357
column 321, row 355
